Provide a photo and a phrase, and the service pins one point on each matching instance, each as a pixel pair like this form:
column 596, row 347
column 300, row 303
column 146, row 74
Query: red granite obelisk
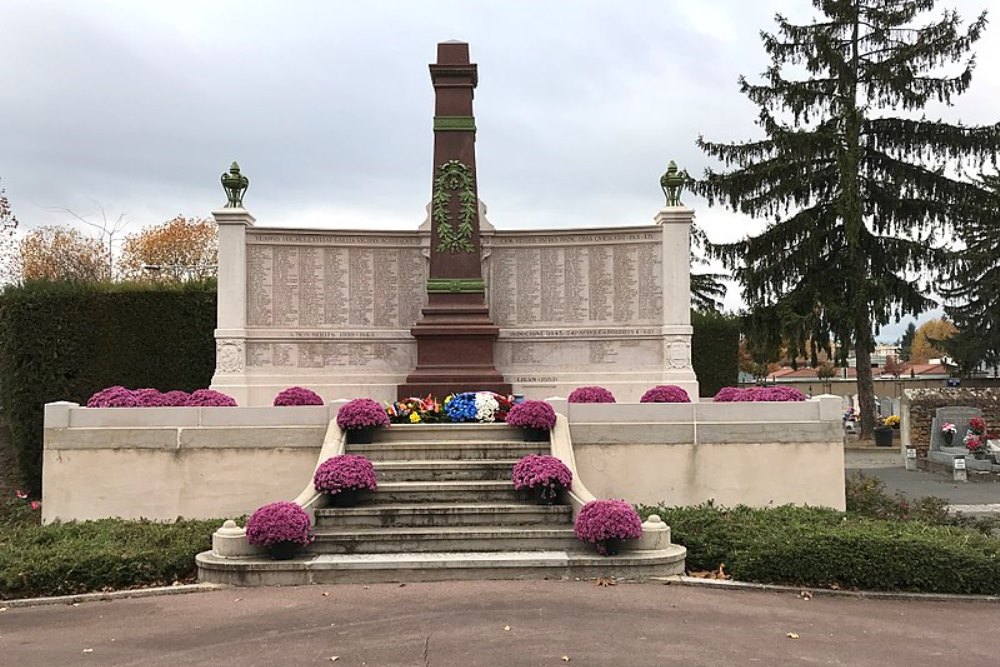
column 455, row 335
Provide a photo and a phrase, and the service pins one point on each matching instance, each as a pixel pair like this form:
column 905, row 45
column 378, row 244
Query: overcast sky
column 139, row 106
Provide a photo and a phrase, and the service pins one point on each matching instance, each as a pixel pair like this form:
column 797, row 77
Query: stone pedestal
column 231, row 331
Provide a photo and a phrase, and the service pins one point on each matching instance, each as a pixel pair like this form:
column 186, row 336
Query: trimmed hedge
column 64, row 559
column 64, row 341
column 824, row 548
column 715, row 351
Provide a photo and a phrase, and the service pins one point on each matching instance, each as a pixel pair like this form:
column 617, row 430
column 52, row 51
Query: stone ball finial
column 235, row 184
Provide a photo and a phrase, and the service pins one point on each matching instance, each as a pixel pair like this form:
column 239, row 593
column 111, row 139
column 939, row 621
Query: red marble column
column 455, row 335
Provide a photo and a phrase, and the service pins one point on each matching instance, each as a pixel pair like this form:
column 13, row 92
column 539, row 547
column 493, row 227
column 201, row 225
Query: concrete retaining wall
column 161, row 463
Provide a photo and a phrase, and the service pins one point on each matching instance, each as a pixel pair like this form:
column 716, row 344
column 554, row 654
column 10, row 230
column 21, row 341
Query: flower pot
column 544, row 496
column 609, row 547
column 948, row 437
column 361, row 436
column 283, row 550
column 536, row 434
column 883, row 437
column 345, row 498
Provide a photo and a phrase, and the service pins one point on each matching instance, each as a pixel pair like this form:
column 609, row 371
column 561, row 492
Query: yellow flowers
column 892, row 421
column 414, row 417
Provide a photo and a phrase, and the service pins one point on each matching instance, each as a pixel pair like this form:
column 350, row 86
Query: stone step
column 309, row 568
column 442, row 470
column 446, row 432
column 442, row 539
column 411, row 450
column 462, row 491
column 450, row 514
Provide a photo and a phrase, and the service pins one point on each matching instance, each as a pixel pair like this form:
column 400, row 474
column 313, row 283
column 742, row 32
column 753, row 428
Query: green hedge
column 64, row 341
column 64, row 559
column 822, row 548
column 715, row 351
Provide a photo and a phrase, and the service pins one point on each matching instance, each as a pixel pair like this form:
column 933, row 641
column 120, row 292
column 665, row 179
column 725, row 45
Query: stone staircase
column 445, row 508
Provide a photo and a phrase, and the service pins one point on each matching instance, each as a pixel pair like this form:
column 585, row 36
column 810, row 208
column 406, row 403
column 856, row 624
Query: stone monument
column 455, row 335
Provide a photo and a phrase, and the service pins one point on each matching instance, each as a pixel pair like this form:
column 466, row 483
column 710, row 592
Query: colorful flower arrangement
column 601, row 520
column 977, row 438
column 532, row 414
column 415, row 410
column 472, row 406
column 297, row 396
column 977, row 425
column 361, row 413
column 665, row 393
column 892, row 421
column 591, row 395
column 279, row 522
column 209, row 398
column 120, row 397
column 751, row 394
column 344, row 472
column 948, row 427
column 546, row 472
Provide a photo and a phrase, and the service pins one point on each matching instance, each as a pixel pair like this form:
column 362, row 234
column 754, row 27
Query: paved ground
column 919, row 483
column 466, row 624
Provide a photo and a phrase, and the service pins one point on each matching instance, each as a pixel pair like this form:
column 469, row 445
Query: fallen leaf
column 325, row 594
column 367, row 587
column 334, row 658
column 600, row 581
column 402, row 585
column 3, row 608
column 792, row 635
column 506, row 628
column 237, row 599
column 805, row 595
column 76, row 604
column 88, row 650
column 565, row 658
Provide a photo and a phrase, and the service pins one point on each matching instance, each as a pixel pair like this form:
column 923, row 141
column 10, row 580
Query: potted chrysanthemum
column 665, row 393
column 606, row 523
column 282, row 528
column 297, row 396
column 345, row 478
column 360, row 418
column 591, row 395
column 536, row 418
column 544, row 476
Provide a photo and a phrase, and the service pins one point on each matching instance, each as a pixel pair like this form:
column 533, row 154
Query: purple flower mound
column 175, row 398
column 209, row 398
column 547, row 471
column 752, row 394
column 149, row 398
column 607, row 520
column 361, row 413
column 532, row 414
column 591, row 395
column 665, row 393
column 279, row 522
column 345, row 472
column 298, row 396
column 113, row 397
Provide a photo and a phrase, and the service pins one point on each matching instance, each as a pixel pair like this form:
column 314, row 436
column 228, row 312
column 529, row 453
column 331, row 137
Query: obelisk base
column 454, row 353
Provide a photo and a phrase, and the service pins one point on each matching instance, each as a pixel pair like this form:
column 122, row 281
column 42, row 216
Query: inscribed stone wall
column 330, row 302
column 923, row 402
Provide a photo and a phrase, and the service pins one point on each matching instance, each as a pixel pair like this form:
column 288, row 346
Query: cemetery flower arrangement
column 298, row 396
column 601, row 520
column 977, row 425
column 209, row 398
column 892, row 421
column 346, row 471
column 361, row 413
column 479, row 406
column 279, row 522
column 591, row 395
column 532, row 414
column 976, row 444
column 665, row 393
column 948, row 427
column 751, row 394
column 542, row 471
column 414, row 410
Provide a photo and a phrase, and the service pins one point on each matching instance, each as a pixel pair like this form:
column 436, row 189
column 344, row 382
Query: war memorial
column 454, row 305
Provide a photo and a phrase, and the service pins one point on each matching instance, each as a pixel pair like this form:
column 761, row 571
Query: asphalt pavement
column 918, row 483
column 500, row 623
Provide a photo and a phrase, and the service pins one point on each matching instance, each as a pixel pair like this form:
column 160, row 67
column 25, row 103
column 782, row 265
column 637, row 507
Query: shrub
column 752, row 394
column 361, row 413
column 665, row 393
column 591, row 395
column 65, row 341
column 546, row 471
column 279, row 522
column 298, row 396
column 345, row 471
column 175, row 398
column 209, row 398
column 805, row 546
column 113, row 397
column 607, row 520
column 71, row 558
column 532, row 414
column 715, row 350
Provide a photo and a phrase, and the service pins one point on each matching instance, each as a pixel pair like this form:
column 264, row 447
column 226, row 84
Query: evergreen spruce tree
column 707, row 289
column 856, row 187
column 906, row 342
column 973, row 288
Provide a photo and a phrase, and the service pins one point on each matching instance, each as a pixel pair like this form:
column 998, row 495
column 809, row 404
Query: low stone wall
column 161, row 463
column 919, row 405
